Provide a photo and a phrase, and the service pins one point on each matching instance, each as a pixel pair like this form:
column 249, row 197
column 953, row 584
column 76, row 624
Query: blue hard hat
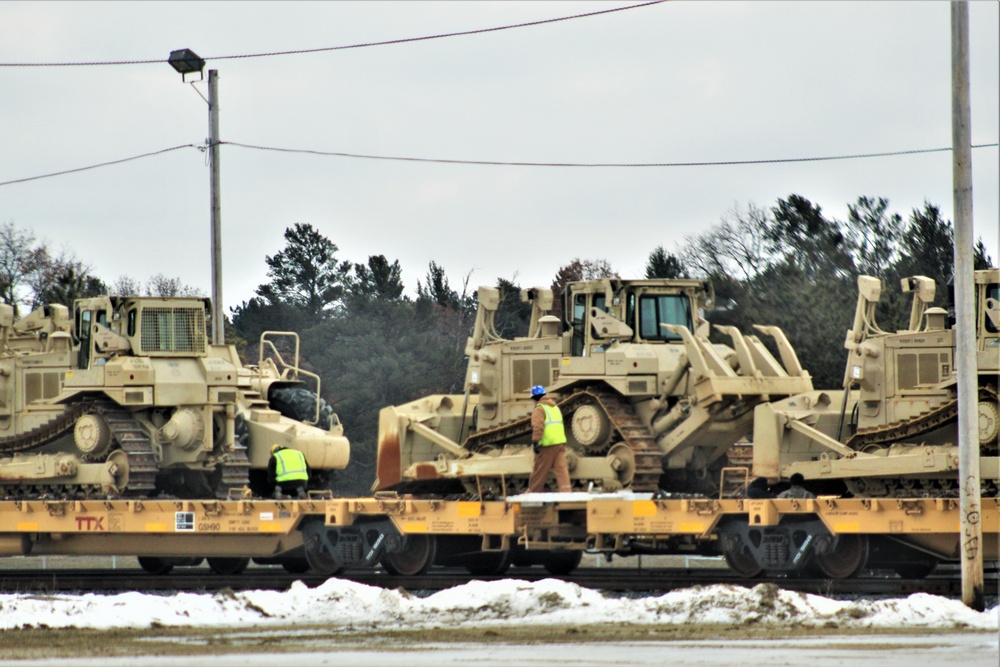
column 537, row 390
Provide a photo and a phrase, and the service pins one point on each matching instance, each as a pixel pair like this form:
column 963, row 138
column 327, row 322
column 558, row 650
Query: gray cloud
column 672, row 82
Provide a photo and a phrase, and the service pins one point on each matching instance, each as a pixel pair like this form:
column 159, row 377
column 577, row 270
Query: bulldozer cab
column 602, row 311
column 87, row 315
column 149, row 326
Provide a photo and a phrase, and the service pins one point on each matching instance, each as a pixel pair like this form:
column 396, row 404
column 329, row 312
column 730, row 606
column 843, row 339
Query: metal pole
column 965, row 315
column 218, row 323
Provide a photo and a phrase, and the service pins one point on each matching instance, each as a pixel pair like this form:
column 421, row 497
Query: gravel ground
column 130, row 563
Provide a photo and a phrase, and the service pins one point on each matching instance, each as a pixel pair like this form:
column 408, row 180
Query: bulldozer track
column 133, row 440
column 124, row 428
column 45, row 433
column 922, row 423
column 647, row 456
column 235, row 470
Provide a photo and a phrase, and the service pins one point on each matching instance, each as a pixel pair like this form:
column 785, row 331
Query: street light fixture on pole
column 186, row 61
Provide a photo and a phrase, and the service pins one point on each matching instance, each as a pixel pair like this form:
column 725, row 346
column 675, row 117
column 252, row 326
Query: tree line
column 373, row 345
column 32, row 274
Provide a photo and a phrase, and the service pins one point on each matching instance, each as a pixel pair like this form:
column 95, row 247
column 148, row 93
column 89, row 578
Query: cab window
column 581, row 318
column 657, row 309
column 992, row 292
column 84, row 320
column 579, row 323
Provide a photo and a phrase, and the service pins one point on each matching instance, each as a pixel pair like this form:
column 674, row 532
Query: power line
column 498, row 163
column 102, row 164
column 404, row 40
column 598, row 164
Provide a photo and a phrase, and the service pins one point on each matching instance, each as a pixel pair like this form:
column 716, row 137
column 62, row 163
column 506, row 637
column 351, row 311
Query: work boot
column 277, row 494
column 301, row 493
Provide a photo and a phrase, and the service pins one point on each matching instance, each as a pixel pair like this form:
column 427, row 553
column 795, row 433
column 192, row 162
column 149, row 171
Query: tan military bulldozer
column 888, row 436
column 127, row 397
column 891, row 431
column 648, row 401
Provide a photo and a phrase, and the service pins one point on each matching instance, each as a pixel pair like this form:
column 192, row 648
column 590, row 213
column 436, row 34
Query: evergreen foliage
column 662, row 264
column 306, row 273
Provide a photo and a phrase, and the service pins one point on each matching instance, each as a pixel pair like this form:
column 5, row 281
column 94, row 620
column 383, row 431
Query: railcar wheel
column 317, row 553
column 916, row 569
column 742, row 563
column 846, row 559
column 295, row 565
column 489, row 563
column 228, row 565
column 415, row 558
column 561, row 563
column 155, row 565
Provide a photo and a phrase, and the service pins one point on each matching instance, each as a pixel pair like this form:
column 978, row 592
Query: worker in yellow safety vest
column 548, row 438
column 288, row 472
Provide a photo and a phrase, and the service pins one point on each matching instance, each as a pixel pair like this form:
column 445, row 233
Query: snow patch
column 348, row 604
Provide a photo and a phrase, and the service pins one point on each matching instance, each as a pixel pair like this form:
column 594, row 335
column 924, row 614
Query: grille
column 918, row 368
column 173, row 330
column 637, row 387
column 522, row 375
column 135, row 397
column 529, row 372
column 39, row 386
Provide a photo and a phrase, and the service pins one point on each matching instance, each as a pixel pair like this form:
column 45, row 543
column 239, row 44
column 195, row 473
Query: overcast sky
column 673, row 82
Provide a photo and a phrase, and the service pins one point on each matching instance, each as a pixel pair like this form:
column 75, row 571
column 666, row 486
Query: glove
column 536, row 447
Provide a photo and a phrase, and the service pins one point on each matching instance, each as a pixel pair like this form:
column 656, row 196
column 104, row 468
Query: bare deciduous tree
column 20, row 258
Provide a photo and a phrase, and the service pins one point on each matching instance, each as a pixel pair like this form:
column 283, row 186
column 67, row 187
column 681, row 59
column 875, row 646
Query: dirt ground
column 634, row 645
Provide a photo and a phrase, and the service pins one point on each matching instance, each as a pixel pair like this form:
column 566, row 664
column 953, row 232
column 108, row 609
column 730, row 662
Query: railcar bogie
column 827, row 537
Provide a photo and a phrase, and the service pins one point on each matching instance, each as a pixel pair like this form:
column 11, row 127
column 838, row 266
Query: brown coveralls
column 550, row 458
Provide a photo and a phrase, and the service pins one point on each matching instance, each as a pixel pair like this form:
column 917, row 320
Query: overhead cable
column 103, row 164
column 403, row 40
column 500, row 163
column 497, row 163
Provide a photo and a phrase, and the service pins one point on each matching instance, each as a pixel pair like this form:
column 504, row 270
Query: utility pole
column 218, row 323
column 970, row 500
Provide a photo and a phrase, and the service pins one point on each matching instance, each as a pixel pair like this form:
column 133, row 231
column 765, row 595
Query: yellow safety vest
column 554, row 433
column 290, row 466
